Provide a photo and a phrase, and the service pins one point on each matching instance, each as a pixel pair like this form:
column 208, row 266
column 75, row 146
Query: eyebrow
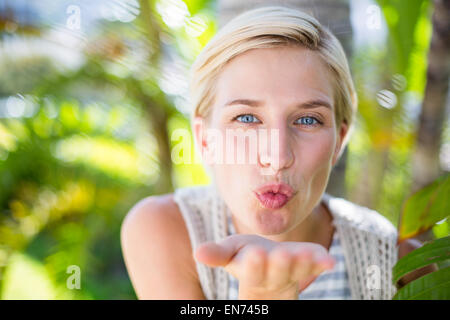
column 256, row 103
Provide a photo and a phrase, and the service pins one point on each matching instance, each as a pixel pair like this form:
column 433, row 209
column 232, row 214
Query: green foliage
column 422, row 210
column 61, row 211
column 432, row 252
column 432, row 286
column 85, row 151
column 379, row 173
column 402, row 18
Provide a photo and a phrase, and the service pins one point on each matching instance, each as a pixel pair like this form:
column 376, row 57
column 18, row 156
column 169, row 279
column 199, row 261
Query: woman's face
column 292, row 96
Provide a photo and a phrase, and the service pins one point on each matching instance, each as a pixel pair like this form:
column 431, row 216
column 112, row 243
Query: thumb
column 213, row 254
column 220, row 254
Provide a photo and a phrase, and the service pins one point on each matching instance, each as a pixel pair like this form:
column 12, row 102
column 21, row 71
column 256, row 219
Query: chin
column 271, row 222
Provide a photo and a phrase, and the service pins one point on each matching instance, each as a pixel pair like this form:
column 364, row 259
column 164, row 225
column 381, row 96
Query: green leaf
column 431, row 252
column 195, row 6
column 402, row 18
column 441, row 229
column 433, row 286
column 425, row 207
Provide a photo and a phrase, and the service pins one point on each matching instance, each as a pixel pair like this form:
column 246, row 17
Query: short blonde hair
column 268, row 27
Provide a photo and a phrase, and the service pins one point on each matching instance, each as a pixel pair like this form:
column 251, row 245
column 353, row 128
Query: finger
column 303, row 264
column 323, row 263
column 302, row 271
column 279, row 267
column 254, row 266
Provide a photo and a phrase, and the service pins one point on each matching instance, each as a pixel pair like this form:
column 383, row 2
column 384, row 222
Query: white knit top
column 364, row 245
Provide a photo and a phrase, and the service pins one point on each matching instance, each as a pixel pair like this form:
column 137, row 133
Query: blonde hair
column 268, row 27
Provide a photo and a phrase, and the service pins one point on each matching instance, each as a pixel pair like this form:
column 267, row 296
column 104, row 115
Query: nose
column 275, row 150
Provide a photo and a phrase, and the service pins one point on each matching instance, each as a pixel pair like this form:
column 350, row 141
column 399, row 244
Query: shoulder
column 360, row 217
column 407, row 246
column 155, row 242
column 373, row 222
column 158, row 214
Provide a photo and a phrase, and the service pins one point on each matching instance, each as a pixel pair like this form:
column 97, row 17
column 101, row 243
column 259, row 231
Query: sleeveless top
column 329, row 285
column 367, row 240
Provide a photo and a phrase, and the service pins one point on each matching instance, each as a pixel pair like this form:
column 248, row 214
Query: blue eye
column 246, row 118
column 249, row 118
column 309, row 121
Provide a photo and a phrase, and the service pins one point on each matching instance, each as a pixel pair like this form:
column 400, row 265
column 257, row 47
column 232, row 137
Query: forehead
column 281, row 74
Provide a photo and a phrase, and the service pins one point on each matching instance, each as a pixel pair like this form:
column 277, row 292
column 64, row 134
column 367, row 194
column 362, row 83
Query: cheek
column 318, row 151
column 233, row 179
column 315, row 166
column 234, row 185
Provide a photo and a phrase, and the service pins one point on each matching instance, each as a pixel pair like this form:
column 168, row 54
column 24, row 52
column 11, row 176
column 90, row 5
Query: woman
column 265, row 228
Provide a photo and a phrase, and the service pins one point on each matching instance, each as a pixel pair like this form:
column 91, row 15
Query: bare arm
column 157, row 251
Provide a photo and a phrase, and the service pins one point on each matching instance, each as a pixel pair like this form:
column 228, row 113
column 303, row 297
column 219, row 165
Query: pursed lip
column 275, row 188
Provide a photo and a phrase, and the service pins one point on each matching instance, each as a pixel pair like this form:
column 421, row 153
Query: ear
column 343, row 130
column 199, row 130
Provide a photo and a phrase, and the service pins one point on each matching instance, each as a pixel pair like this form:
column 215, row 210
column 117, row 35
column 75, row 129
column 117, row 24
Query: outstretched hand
column 267, row 269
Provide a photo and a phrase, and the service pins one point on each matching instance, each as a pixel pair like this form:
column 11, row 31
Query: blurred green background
column 91, row 92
